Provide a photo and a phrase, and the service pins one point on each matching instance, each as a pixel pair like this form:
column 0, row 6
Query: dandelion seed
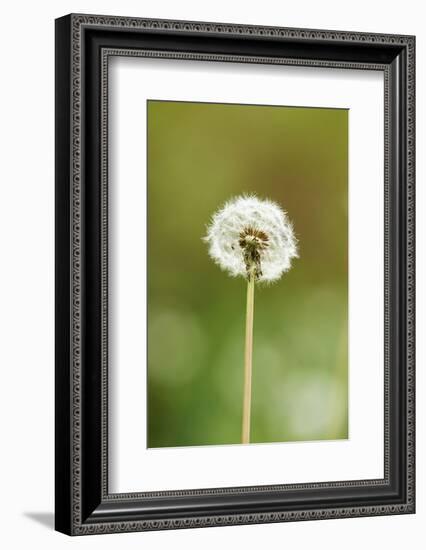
column 252, row 233
column 253, row 238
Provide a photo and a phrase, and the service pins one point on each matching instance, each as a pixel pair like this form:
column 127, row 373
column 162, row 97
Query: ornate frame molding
column 72, row 47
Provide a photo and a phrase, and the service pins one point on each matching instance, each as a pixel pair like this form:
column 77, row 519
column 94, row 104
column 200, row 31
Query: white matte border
column 133, row 467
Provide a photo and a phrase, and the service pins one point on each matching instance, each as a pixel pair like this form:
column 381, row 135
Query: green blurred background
column 199, row 156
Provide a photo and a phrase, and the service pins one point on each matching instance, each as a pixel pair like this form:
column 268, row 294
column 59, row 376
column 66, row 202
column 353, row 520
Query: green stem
column 248, row 357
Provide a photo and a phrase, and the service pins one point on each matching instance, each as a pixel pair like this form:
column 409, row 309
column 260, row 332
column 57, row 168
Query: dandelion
column 252, row 238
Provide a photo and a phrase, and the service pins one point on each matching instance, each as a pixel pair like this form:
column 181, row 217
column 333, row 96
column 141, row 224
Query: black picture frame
column 83, row 45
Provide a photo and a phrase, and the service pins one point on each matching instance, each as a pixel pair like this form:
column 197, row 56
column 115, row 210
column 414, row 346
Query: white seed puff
column 247, row 221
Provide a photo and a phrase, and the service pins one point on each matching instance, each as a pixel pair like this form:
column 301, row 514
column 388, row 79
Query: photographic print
column 247, row 274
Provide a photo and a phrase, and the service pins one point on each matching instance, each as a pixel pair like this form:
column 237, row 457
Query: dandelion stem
column 248, row 355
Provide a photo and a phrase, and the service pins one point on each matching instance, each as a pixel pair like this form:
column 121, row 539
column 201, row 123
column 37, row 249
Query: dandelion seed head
column 252, row 235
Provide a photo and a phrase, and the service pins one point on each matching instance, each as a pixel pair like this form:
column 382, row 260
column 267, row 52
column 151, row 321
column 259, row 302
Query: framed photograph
column 234, row 274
